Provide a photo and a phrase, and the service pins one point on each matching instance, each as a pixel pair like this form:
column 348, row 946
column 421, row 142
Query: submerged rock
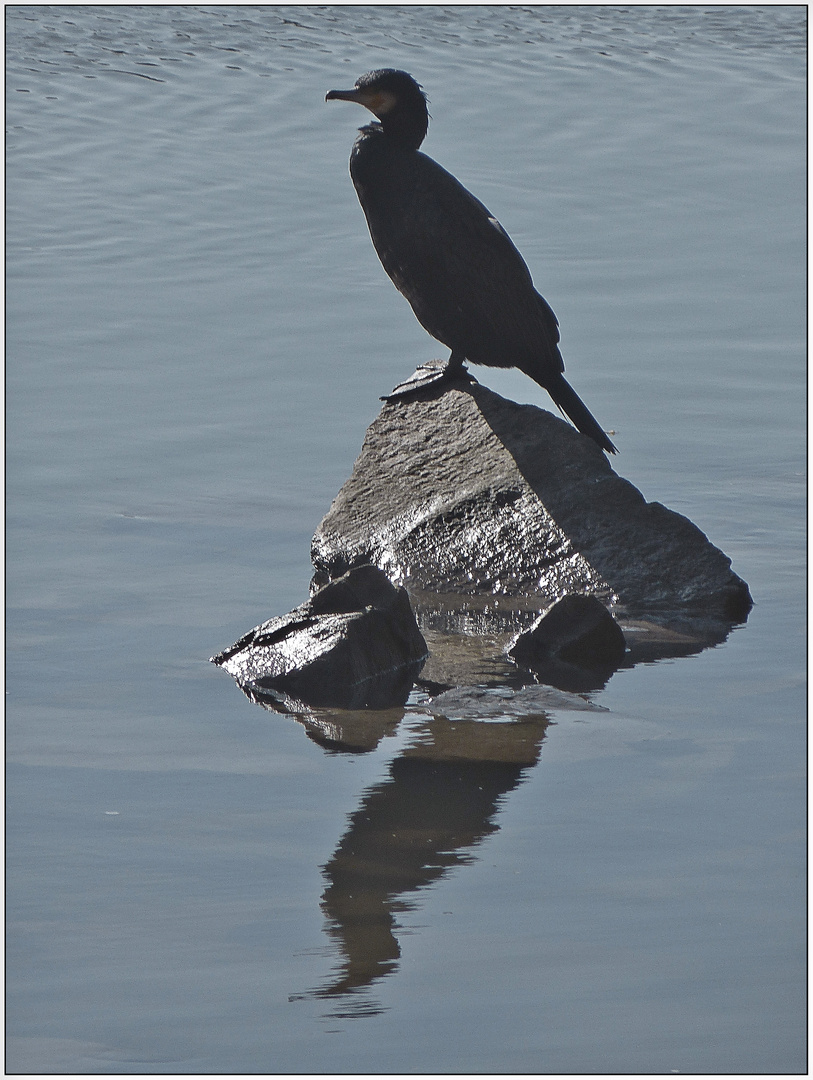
column 460, row 491
column 476, row 702
column 354, row 644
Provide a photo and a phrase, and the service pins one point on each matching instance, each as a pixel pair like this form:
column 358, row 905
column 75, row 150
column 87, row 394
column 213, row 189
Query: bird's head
column 395, row 99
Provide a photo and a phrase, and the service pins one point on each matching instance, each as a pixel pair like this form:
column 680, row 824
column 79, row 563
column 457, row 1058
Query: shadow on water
column 437, row 803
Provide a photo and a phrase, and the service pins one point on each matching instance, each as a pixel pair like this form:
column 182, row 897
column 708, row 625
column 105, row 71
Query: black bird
column 453, row 261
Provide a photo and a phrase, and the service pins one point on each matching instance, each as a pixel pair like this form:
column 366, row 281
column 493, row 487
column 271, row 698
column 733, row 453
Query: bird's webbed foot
column 433, row 374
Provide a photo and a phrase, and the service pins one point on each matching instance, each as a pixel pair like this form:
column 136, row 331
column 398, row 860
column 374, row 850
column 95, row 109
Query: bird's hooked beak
column 379, row 102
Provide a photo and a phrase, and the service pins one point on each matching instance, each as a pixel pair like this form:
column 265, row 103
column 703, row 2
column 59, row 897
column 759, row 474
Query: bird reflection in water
column 438, row 802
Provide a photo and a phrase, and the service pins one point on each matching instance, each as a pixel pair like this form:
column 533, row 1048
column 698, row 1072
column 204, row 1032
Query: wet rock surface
column 525, row 558
column 354, row 644
column 460, row 491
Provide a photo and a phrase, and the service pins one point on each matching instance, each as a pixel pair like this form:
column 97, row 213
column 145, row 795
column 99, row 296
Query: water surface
column 198, row 332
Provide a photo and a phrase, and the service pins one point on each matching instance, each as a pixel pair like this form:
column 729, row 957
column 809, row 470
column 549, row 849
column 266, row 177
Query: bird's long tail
column 570, row 403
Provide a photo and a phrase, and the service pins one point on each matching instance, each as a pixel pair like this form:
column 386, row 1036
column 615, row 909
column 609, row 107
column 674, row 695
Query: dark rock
column 459, row 491
column 576, row 645
column 354, row 644
column 578, row 630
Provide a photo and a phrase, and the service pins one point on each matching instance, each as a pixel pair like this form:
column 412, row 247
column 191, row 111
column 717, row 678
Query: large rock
column 354, row 644
column 460, row 491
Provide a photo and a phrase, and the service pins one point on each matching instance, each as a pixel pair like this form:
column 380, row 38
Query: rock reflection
column 481, row 721
column 437, row 804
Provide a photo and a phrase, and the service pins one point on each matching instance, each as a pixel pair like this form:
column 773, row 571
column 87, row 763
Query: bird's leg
column 455, row 361
column 435, row 374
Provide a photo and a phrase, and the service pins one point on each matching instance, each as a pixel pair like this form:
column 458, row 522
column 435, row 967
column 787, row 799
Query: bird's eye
column 382, row 102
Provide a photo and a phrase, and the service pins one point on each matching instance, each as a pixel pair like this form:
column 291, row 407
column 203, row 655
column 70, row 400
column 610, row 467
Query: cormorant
column 453, row 261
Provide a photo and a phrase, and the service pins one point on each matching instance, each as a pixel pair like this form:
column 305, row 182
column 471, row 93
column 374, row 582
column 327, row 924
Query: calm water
column 197, row 335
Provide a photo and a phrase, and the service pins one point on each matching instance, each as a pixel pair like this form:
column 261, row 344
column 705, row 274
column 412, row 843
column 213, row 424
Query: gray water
column 198, row 332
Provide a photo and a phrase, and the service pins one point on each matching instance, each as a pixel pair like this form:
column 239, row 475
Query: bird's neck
column 407, row 128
